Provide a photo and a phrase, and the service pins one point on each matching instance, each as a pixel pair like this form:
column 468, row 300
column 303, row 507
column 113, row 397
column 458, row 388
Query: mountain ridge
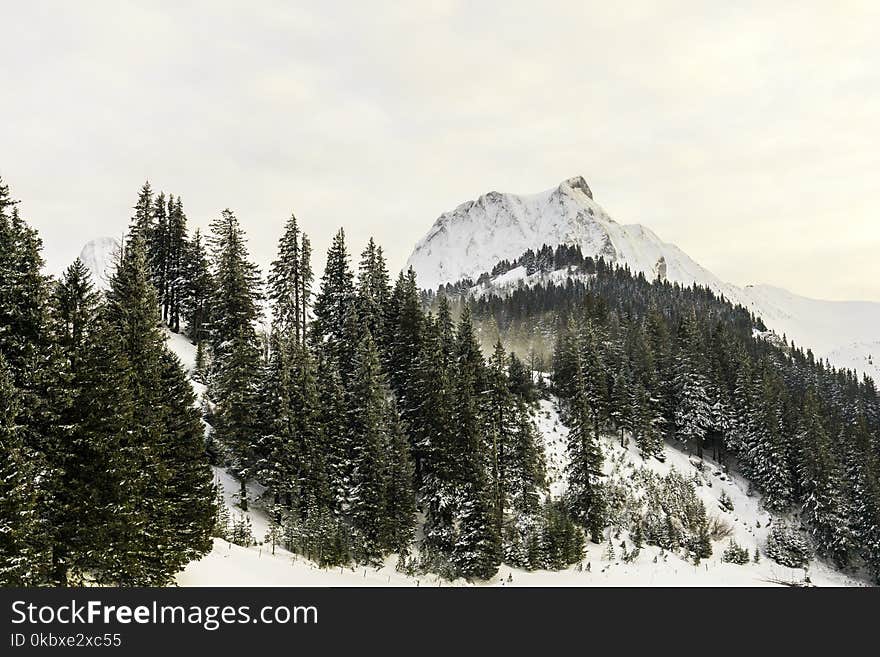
column 472, row 238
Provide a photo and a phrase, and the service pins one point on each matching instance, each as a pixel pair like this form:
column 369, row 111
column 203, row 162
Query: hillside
column 232, row 565
column 471, row 239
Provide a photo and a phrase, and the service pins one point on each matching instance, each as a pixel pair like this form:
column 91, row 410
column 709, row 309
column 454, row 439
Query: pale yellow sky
column 744, row 132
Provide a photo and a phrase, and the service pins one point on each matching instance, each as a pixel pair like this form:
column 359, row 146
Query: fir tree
column 334, row 309
column 197, row 289
column 477, row 548
column 23, row 559
column 369, row 437
column 236, row 351
column 693, row 407
column 142, row 223
column 824, row 507
column 176, row 268
column 584, row 496
column 400, row 501
column 285, row 281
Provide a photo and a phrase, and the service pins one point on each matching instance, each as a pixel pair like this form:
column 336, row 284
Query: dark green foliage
column 548, row 540
column 235, row 348
column 706, row 372
column 786, row 547
column 334, row 329
column 584, row 495
column 197, row 289
column 735, row 553
column 23, row 543
column 104, row 478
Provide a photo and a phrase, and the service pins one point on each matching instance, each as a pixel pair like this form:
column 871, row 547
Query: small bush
column 719, row 529
column 724, row 501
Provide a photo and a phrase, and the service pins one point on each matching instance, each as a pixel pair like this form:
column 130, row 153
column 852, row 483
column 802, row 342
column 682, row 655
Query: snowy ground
column 232, row 565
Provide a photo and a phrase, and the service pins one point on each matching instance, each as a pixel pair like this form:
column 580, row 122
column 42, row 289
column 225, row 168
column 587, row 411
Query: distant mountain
column 475, row 236
column 99, row 255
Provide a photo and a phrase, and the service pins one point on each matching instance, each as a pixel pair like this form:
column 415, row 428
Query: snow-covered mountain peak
column 577, row 183
column 471, row 239
column 99, row 255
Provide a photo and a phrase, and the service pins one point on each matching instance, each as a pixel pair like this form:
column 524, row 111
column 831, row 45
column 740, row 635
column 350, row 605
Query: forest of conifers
column 370, row 414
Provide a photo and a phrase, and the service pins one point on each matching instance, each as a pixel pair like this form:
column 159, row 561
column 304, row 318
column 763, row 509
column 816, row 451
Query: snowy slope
column 847, row 333
column 476, row 235
column 99, row 256
column 233, row 565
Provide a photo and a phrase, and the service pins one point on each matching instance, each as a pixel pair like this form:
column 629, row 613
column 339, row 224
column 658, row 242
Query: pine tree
column 285, row 281
column 584, row 497
column 693, row 410
column 176, row 267
column 23, row 316
column 306, row 277
column 400, row 501
column 23, row 558
column 477, row 548
column 824, row 507
column 90, row 419
column 766, row 446
column 142, row 223
column 197, row 289
column 186, row 513
column 236, row 351
column 515, row 463
column 369, row 436
column 373, row 290
column 157, row 248
column 864, row 472
column 404, row 322
column 167, row 513
column 335, row 435
column 432, row 435
column 334, row 309
column 501, row 428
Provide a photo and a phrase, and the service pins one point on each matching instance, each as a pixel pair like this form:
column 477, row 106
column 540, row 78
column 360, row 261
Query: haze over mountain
column 476, row 235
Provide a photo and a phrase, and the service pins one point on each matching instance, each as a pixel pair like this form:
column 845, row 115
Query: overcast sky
column 746, row 133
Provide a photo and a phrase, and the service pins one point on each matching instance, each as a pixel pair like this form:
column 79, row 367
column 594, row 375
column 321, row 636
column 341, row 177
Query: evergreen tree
column 285, row 281
column 584, row 497
column 23, row 559
column 176, row 268
column 168, row 512
column 336, row 438
column 369, row 437
column 477, row 548
column 235, row 308
column 400, row 501
column 142, row 223
column 197, row 289
column 693, row 407
column 334, row 309
column 158, row 247
column 306, row 277
column 824, row 507
column 373, row 290
column 405, row 326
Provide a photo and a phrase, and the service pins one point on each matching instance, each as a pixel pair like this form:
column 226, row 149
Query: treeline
column 357, row 410
column 655, row 361
column 104, row 476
